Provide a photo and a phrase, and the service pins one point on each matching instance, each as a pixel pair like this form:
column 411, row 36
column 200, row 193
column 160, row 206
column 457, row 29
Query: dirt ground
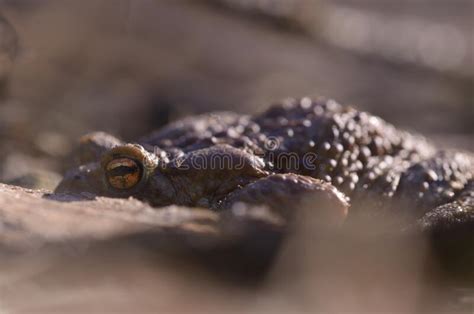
column 63, row 255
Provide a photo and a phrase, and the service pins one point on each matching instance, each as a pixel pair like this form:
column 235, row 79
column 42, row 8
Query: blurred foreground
column 121, row 256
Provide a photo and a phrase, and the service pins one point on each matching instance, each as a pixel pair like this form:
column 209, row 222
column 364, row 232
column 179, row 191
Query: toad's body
column 294, row 149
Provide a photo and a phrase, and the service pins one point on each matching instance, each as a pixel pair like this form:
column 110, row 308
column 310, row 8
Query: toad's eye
column 123, row 173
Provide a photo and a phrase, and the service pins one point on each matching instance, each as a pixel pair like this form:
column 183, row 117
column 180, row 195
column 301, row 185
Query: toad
column 299, row 150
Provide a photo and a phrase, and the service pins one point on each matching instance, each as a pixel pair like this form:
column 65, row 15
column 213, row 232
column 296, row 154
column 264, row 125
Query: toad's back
column 360, row 154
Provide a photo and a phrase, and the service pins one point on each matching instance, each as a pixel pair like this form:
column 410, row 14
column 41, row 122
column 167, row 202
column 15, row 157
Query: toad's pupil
column 123, row 173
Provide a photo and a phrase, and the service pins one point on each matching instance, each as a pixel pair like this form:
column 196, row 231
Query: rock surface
column 75, row 254
column 30, row 219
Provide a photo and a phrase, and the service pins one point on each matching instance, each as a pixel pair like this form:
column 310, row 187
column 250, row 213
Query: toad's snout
column 86, row 178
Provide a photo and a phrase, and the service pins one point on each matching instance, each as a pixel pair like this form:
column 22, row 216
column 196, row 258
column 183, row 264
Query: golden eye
column 123, row 173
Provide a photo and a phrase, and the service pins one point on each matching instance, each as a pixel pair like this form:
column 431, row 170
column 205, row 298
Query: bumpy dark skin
column 294, row 150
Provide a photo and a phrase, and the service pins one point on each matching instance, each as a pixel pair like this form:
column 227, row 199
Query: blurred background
column 128, row 67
